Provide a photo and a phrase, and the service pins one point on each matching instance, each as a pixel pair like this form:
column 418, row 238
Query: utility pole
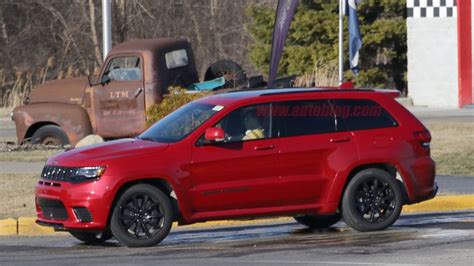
column 341, row 40
column 106, row 27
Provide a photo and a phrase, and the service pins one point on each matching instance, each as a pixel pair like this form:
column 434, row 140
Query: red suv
column 316, row 155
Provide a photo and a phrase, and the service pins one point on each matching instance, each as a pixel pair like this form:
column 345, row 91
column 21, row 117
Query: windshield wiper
column 147, row 139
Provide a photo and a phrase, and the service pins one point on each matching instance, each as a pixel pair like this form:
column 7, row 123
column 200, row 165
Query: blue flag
column 355, row 39
column 284, row 15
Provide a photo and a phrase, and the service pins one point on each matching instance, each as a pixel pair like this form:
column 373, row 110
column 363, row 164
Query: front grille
column 52, row 209
column 83, row 214
column 58, row 173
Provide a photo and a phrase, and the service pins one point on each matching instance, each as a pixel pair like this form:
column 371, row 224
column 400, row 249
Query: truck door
column 118, row 108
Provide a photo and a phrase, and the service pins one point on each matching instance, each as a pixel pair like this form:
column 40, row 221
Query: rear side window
column 176, row 59
column 355, row 114
column 299, row 118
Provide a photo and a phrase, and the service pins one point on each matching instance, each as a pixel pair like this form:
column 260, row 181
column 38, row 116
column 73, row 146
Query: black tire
column 50, row 135
column 92, row 238
column 372, row 200
column 142, row 216
column 318, row 221
column 233, row 73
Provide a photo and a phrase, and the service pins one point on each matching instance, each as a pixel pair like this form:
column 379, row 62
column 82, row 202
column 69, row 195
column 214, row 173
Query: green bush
column 176, row 98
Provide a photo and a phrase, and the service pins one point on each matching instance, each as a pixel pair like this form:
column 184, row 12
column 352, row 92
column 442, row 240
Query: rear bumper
column 419, row 178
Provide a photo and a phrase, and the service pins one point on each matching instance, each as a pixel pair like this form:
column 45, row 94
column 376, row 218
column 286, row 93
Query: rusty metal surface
column 73, row 119
column 60, row 91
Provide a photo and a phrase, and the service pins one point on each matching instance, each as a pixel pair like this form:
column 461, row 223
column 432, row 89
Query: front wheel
column 142, row 216
column 372, row 200
column 318, row 221
column 92, row 238
column 50, row 135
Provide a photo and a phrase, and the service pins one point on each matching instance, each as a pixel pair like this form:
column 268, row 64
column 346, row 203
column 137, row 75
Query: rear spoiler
column 390, row 93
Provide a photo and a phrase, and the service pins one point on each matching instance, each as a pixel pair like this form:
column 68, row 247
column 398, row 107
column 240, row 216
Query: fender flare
column 72, row 118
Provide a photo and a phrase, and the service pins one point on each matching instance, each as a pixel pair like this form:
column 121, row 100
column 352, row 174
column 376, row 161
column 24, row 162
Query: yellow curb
column 443, row 203
column 8, row 227
column 27, row 226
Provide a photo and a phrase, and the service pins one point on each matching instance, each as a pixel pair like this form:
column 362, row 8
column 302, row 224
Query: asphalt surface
column 443, row 239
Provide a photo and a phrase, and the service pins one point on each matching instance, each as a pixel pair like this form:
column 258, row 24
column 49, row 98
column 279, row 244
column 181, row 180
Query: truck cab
column 113, row 104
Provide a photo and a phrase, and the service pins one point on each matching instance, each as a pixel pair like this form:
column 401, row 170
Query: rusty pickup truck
column 135, row 75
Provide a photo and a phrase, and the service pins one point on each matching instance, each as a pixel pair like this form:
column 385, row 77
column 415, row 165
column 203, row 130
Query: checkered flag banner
column 431, row 8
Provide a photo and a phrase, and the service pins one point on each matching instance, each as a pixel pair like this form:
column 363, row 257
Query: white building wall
column 432, row 57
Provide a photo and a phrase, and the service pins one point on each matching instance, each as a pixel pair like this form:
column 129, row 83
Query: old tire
column 233, row 73
column 318, row 221
column 91, row 238
column 50, row 135
column 372, row 200
column 142, row 217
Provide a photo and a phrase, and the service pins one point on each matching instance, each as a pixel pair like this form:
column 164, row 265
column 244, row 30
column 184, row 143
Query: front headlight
column 87, row 173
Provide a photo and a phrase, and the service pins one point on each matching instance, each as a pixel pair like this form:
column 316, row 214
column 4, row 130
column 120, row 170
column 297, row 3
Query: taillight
column 424, row 138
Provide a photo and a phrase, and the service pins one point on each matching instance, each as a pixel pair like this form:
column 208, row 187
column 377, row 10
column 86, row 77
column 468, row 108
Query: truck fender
column 73, row 119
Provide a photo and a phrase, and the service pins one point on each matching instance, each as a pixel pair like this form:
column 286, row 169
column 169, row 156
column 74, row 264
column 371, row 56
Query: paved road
column 444, row 239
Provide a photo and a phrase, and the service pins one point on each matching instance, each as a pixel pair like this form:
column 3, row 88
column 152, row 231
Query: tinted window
column 247, row 123
column 124, row 69
column 298, row 118
column 361, row 114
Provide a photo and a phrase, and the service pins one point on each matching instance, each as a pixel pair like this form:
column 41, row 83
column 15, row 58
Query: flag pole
column 341, row 41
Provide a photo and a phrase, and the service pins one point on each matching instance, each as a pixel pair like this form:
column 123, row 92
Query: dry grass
column 28, row 155
column 5, row 112
column 322, row 76
column 452, row 147
column 17, row 192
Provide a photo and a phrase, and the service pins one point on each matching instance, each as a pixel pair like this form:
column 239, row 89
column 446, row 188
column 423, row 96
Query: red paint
column 465, row 81
column 275, row 176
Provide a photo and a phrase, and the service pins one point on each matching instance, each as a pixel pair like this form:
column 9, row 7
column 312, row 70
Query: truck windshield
column 179, row 124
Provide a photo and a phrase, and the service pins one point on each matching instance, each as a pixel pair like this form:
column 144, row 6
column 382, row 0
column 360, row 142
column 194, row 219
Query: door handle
column 337, row 140
column 262, row 148
column 139, row 90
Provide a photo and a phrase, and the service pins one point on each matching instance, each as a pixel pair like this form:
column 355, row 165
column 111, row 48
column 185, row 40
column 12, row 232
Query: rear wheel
column 92, row 237
column 318, row 221
column 372, row 200
column 142, row 216
column 50, row 135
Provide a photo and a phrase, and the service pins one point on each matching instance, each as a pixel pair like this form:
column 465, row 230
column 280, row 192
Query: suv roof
column 238, row 95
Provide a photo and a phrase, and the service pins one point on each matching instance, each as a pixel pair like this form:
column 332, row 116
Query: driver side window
column 247, row 123
column 124, row 69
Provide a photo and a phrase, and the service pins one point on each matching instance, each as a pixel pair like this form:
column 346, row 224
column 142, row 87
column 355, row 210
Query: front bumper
column 67, row 206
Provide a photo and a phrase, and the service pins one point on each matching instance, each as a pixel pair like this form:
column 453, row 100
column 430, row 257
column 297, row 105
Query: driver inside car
column 253, row 125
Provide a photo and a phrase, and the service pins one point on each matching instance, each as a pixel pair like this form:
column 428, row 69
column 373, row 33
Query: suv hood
column 104, row 152
column 60, row 91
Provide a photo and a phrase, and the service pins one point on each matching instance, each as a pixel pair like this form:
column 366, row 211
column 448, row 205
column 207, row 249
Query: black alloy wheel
column 372, row 201
column 142, row 216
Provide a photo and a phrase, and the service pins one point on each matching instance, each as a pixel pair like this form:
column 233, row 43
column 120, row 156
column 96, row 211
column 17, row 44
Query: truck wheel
column 92, row 238
column 50, row 135
column 372, row 200
column 142, row 216
column 318, row 221
column 232, row 72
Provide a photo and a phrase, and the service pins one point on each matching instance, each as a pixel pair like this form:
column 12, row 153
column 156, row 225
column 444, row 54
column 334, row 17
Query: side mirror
column 105, row 80
column 214, row 134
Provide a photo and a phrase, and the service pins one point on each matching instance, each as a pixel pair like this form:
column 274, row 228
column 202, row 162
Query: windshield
column 179, row 124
